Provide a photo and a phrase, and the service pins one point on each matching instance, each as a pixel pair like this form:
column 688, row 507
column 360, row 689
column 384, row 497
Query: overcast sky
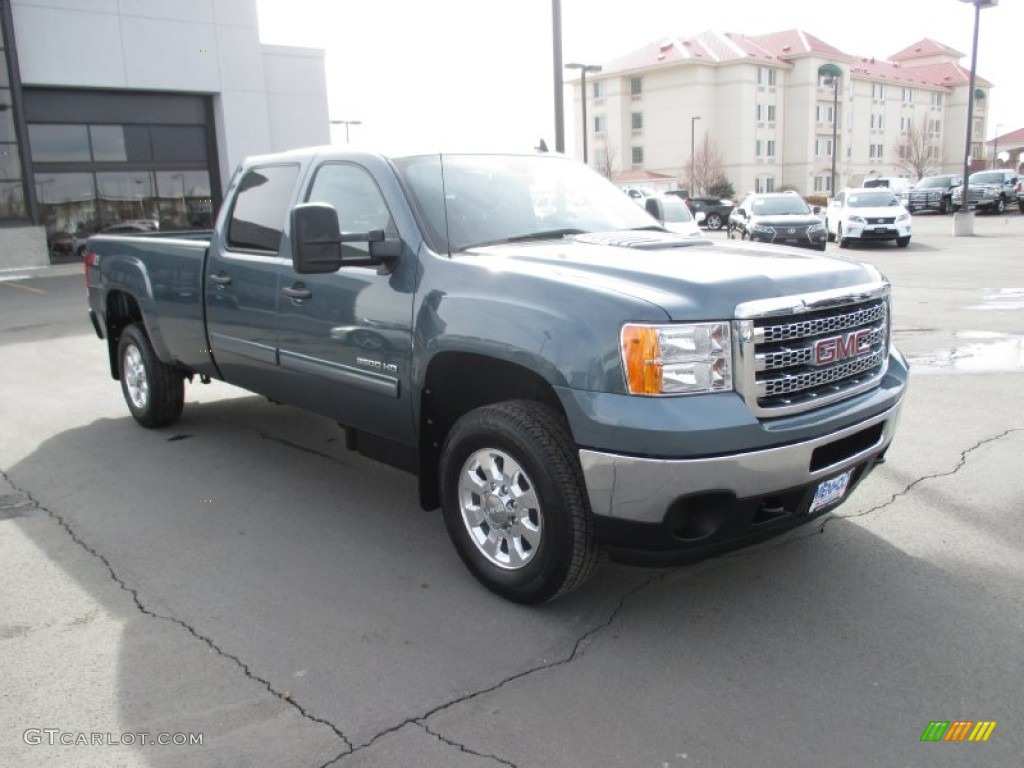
column 457, row 71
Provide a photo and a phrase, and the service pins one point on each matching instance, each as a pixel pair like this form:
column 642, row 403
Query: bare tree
column 604, row 161
column 917, row 152
column 704, row 169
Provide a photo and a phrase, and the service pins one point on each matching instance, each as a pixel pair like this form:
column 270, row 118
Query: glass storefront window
column 108, row 143
column 59, row 143
column 127, row 196
column 178, row 143
column 68, row 205
column 12, row 200
column 184, row 198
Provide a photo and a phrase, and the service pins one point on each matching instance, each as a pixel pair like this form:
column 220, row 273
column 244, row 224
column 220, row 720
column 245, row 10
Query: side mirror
column 816, row 210
column 317, row 242
column 741, row 212
column 316, row 239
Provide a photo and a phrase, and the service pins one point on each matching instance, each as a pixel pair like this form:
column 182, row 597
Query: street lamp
column 964, row 224
column 584, row 68
column 693, row 136
column 346, row 123
column 995, row 146
column 833, row 73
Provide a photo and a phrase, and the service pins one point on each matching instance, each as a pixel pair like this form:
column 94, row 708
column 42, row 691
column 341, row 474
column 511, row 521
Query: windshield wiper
column 547, row 234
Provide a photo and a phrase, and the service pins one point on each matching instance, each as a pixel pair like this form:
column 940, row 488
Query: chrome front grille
column 799, row 353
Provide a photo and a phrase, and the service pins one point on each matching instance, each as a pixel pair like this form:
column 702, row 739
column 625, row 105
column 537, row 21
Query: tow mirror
column 318, row 243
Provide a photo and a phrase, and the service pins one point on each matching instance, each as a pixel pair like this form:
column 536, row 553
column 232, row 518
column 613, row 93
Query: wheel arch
column 121, row 310
column 454, row 384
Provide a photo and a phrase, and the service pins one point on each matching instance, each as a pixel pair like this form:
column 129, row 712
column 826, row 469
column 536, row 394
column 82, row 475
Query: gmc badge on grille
column 837, row 348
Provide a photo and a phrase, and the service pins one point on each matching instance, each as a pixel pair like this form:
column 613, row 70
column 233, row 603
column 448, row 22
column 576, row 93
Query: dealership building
column 130, row 115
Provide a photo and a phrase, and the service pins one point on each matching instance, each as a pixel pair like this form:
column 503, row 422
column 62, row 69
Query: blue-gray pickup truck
column 564, row 376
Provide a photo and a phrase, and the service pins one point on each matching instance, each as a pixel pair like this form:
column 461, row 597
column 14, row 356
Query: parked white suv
column 867, row 214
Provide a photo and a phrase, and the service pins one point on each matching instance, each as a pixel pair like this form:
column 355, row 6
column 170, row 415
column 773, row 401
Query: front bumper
column 677, row 510
column 858, row 231
column 798, row 238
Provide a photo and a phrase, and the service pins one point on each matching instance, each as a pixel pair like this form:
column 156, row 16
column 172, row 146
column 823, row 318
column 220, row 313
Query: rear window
column 261, row 206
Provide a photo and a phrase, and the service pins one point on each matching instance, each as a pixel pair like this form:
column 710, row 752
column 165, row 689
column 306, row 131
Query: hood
column 787, row 220
column 689, row 279
column 877, row 212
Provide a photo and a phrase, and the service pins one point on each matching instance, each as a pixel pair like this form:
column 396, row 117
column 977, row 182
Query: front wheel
column 514, row 504
column 153, row 390
column 1000, row 207
column 844, row 242
column 902, row 242
column 714, row 221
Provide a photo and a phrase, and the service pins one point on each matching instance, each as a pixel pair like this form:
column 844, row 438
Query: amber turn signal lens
column 640, row 353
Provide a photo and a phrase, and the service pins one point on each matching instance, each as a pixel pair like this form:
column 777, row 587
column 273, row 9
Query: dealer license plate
column 881, row 229
column 831, row 491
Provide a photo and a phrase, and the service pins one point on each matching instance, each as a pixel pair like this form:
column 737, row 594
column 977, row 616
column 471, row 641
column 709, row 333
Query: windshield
column 675, row 210
column 872, row 200
column 987, row 178
column 470, row 200
column 930, row 182
column 775, row 206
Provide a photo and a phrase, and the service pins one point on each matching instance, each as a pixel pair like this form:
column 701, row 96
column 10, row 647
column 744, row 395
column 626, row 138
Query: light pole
column 346, row 123
column 556, row 60
column 995, row 146
column 963, row 224
column 693, row 145
column 584, row 68
column 833, row 73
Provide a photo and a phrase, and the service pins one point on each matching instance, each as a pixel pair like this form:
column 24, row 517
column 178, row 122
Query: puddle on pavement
column 982, row 352
column 1002, row 299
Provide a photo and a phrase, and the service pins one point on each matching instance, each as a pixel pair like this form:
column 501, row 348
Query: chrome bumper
column 642, row 490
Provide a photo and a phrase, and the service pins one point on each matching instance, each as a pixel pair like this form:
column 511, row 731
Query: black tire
column 828, row 233
column 944, row 207
column 844, row 242
column 902, row 242
column 714, row 221
column 530, row 441
column 1020, row 204
column 1000, row 207
column 153, row 390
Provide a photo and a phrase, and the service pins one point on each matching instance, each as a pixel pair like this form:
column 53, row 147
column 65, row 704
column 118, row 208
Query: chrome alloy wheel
column 135, row 378
column 500, row 508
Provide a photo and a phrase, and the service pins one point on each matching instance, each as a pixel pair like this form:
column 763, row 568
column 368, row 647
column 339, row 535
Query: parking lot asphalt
column 242, row 577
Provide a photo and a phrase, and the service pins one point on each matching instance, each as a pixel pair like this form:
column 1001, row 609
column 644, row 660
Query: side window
column 356, row 198
column 261, row 207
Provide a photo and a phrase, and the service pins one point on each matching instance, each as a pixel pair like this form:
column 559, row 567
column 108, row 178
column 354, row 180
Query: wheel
column 513, row 501
column 714, row 221
column 903, row 242
column 1020, row 204
column 822, row 247
column 828, row 233
column 944, row 207
column 1000, row 206
column 844, row 242
column 154, row 391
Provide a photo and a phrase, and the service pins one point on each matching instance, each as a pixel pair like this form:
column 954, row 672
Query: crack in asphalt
column 462, row 747
column 961, row 462
column 573, row 654
column 246, row 670
column 267, row 436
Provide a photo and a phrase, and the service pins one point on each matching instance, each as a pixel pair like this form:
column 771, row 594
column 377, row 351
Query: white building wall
column 266, row 98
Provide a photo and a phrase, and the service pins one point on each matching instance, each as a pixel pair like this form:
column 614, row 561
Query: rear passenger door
column 242, row 279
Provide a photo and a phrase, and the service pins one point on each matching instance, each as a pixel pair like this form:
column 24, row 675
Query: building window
column 905, row 124
column 878, row 91
column 876, row 151
column 823, row 183
column 934, row 127
column 771, row 113
column 766, row 76
column 977, row 129
column 598, row 123
column 823, row 148
column 764, row 184
column 823, row 114
column 770, row 148
column 877, row 122
column 598, row 86
column 758, row 148
column 759, row 113
column 936, row 99
column 908, row 95
column 636, row 86
column 638, row 156
column 637, row 121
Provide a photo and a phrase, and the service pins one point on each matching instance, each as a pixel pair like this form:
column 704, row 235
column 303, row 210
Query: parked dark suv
column 716, row 210
column 783, row 218
column 932, row 193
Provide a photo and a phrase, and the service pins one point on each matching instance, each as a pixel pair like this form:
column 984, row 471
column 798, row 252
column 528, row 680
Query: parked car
column 897, row 184
column 867, row 214
column 673, row 214
column 989, row 191
column 932, row 193
column 1020, row 194
column 716, row 211
column 783, row 218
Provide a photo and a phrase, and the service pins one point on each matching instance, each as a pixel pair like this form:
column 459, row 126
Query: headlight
column 763, row 228
column 858, row 220
column 816, row 227
column 903, row 217
column 677, row 359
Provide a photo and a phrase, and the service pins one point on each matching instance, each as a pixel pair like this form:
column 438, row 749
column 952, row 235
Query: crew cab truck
column 565, row 378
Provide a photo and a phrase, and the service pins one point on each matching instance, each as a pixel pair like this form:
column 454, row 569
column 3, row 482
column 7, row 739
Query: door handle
column 221, row 279
column 298, row 291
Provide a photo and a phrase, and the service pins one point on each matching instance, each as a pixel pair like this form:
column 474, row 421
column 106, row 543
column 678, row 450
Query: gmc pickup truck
column 564, row 376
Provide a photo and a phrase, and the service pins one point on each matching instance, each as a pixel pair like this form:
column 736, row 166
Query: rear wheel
column 514, row 504
column 714, row 221
column 154, row 391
